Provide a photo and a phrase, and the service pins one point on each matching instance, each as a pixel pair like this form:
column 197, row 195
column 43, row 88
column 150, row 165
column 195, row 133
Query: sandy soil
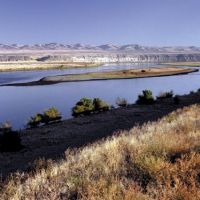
column 51, row 141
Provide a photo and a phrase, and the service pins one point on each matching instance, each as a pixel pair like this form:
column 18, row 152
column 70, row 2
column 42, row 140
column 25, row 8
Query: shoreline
column 51, row 141
column 111, row 75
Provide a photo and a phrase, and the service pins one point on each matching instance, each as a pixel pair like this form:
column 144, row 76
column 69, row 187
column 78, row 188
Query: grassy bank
column 159, row 160
column 34, row 65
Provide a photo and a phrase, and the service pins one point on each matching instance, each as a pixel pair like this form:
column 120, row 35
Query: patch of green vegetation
column 86, row 106
column 83, row 107
column 48, row 116
column 51, row 115
column 146, row 97
column 35, row 120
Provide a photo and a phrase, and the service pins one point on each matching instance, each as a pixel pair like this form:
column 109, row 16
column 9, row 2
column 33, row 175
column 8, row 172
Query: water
column 25, row 76
column 17, row 104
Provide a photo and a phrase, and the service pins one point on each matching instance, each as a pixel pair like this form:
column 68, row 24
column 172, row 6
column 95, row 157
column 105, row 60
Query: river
column 17, row 104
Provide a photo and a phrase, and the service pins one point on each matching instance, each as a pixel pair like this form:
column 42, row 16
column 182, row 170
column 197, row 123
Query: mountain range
column 105, row 47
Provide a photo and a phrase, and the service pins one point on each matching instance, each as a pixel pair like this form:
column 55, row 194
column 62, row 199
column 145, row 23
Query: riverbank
column 109, row 75
column 160, row 156
column 51, row 141
column 34, row 65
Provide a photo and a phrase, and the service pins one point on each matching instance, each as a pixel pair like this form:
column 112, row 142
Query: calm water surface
column 17, row 104
column 25, row 76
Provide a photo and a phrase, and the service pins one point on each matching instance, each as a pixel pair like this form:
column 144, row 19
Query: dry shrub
column 178, row 180
column 160, row 160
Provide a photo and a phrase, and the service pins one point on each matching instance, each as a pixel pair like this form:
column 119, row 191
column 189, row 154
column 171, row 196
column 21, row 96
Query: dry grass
column 159, row 160
column 120, row 74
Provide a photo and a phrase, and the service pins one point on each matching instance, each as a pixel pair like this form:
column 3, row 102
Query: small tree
column 35, row 120
column 84, row 106
column 51, row 115
column 146, row 97
column 100, row 105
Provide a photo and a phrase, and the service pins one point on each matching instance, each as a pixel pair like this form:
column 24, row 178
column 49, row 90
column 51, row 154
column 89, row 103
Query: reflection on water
column 17, row 104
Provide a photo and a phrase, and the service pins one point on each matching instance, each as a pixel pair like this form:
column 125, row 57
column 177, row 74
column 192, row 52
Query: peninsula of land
column 109, row 75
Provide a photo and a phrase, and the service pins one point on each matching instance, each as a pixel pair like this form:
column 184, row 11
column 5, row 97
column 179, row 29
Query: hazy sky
column 146, row 22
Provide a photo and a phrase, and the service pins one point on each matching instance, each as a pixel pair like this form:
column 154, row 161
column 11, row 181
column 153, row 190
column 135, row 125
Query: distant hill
column 106, row 47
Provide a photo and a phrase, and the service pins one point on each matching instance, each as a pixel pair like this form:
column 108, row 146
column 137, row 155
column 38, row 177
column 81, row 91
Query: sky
column 95, row 22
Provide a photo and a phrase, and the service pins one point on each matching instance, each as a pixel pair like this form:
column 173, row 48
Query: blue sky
column 146, row 22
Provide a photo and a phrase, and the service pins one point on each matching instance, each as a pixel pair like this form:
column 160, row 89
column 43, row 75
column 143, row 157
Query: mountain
column 106, row 47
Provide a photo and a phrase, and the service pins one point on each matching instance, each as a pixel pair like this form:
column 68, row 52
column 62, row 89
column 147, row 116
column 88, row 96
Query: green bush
column 122, row 102
column 35, row 120
column 46, row 117
column 146, row 97
column 86, row 106
column 51, row 115
column 83, row 107
column 10, row 140
column 100, row 105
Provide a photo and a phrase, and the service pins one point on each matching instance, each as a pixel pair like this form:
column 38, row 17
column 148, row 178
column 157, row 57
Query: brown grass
column 159, row 160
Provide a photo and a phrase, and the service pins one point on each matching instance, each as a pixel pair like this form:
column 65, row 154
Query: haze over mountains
column 106, row 47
